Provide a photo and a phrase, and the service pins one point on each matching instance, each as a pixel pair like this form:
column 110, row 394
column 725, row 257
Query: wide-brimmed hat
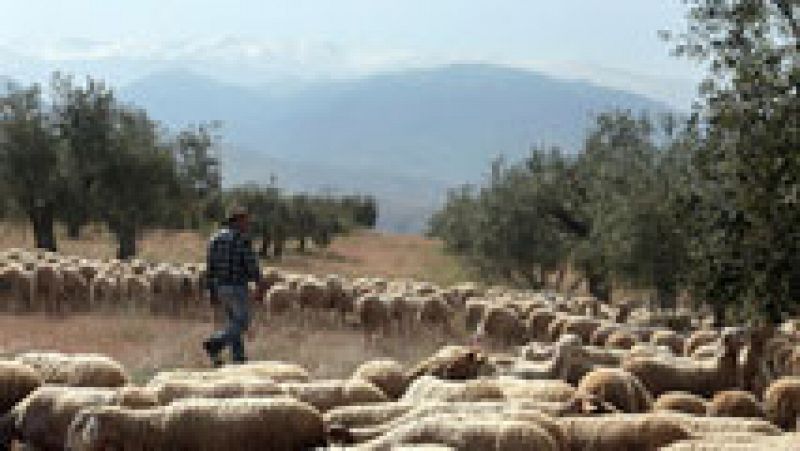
column 236, row 212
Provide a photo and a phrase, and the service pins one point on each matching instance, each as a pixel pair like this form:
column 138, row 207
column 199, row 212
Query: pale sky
column 611, row 42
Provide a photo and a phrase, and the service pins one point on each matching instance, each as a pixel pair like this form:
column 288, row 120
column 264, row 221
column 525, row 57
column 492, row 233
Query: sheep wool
column 328, row 394
column 682, row 402
column 275, row 424
column 782, row 402
column 17, row 380
column 735, row 403
column 388, row 375
column 618, row 387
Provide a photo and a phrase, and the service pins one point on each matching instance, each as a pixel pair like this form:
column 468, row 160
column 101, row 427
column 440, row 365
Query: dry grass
column 360, row 254
column 147, row 344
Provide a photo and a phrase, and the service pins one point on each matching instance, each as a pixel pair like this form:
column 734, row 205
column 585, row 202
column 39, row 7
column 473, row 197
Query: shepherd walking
column 231, row 266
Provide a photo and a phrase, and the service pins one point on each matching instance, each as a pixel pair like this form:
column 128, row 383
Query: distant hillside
column 403, row 135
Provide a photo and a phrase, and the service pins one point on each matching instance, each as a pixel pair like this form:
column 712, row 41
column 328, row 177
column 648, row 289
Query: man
column 232, row 264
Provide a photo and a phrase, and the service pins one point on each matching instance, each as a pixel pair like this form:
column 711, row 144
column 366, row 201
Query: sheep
column 684, row 374
column 621, row 339
column 618, row 387
column 428, row 388
column 535, row 391
column 281, row 298
column 49, row 288
column 372, row 314
column 170, row 391
column 17, row 380
column 581, row 326
column 738, row 442
column 570, row 361
column 468, row 433
column 704, row 425
column 451, row 362
column 135, row 397
column 669, row 338
column 77, row 370
column 699, row 338
column 388, row 375
column 328, row 394
column 622, row 432
column 434, row 311
column 17, row 288
column 201, row 424
column 600, row 335
column 782, row 403
column 75, row 289
column 682, row 402
column 538, row 323
column 366, row 415
column 735, row 403
column 501, row 324
column 274, row 370
column 43, row 418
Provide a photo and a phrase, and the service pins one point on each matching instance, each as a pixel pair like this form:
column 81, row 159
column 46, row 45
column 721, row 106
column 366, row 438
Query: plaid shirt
column 231, row 260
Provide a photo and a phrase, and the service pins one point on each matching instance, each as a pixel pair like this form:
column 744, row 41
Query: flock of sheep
column 545, row 372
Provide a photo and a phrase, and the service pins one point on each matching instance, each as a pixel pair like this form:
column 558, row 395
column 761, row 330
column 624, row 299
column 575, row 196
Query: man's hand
column 261, row 290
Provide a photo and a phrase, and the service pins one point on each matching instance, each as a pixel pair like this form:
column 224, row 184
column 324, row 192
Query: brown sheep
column 502, row 325
column 782, row 402
column 372, row 313
column 682, row 402
column 475, row 309
column 452, row 362
column 621, row 339
column 281, row 299
column 17, row 380
column 601, row 334
column 538, row 323
column 668, row 338
column 617, row 387
column 735, row 403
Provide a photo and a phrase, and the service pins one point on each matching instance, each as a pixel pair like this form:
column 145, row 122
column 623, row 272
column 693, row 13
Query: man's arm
column 252, row 268
column 211, row 276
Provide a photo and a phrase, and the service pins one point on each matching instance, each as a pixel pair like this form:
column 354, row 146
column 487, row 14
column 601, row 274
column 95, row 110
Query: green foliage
column 81, row 156
column 30, row 159
column 746, row 223
column 277, row 217
column 606, row 210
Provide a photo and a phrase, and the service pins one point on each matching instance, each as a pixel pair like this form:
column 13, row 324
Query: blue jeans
column 233, row 301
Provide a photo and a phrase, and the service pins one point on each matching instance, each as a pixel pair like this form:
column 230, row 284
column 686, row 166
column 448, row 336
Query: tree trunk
column 301, row 246
column 599, row 287
column 74, row 229
column 667, row 298
column 126, row 238
column 277, row 249
column 43, row 234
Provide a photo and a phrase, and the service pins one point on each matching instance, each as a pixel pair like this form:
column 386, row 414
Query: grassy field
column 360, row 254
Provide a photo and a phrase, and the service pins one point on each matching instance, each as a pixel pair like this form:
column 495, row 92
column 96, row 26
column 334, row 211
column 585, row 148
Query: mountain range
column 403, row 136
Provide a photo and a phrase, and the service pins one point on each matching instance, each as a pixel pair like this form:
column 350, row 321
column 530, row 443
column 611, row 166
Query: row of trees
column 78, row 155
column 708, row 204
column 278, row 217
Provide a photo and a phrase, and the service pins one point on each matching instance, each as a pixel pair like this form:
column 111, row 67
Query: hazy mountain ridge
column 404, row 135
